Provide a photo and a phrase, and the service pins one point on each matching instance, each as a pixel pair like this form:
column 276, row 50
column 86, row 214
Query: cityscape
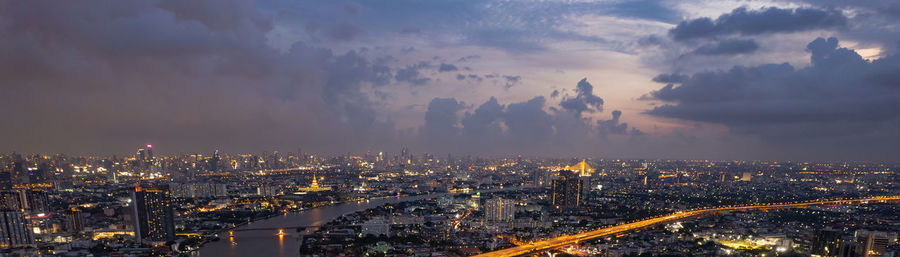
column 409, row 204
column 442, row 128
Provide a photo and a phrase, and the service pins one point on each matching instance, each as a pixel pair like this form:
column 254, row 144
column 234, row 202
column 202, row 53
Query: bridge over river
column 557, row 242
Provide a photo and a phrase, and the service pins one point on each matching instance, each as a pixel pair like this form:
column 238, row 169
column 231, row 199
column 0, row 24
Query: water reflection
column 255, row 242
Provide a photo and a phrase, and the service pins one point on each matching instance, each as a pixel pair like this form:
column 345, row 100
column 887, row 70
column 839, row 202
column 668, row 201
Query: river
column 257, row 243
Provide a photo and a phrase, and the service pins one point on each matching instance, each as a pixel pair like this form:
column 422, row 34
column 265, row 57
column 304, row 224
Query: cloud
column 614, row 126
column 468, row 58
column 511, row 81
column 446, row 67
column 646, row 9
column 481, row 128
column 841, row 101
column 187, row 77
column 584, row 99
column 754, row 22
column 345, row 31
column 441, row 120
column 530, row 126
column 728, row 47
column 412, row 75
column 528, row 123
column 670, row 78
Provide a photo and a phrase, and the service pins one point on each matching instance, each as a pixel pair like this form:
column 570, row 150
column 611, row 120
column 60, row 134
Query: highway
column 560, row 241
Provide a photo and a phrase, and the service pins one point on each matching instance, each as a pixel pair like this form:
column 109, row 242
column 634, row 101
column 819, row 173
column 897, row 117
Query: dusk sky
column 783, row 80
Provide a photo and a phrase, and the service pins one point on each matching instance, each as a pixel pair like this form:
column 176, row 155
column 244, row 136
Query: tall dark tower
column 154, row 218
column 76, row 221
column 567, row 190
column 214, row 162
column 149, row 152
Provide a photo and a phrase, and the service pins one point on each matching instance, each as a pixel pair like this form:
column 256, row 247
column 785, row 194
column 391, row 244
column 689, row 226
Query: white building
column 499, row 209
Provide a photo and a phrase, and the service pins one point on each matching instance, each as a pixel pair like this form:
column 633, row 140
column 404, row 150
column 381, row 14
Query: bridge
column 561, row 241
column 295, row 228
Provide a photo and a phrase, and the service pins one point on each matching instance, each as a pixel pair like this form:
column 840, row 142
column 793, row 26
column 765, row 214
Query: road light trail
column 574, row 239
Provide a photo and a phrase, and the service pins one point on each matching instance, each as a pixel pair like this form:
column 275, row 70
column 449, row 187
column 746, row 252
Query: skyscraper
column 154, row 219
column 826, row 242
column 214, row 162
column 35, row 201
column 149, row 152
column 872, row 243
column 567, row 190
column 14, row 230
column 499, row 209
column 76, row 221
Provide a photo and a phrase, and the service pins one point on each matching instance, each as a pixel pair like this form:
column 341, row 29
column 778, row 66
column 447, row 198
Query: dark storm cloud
column 186, row 76
column 481, row 128
column 441, row 120
column 528, row 123
column 841, row 102
column 753, row 22
column 584, row 99
column 531, row 126
column 728, row 47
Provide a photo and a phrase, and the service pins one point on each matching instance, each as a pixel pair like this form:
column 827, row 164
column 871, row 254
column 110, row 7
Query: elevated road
column 576, row 238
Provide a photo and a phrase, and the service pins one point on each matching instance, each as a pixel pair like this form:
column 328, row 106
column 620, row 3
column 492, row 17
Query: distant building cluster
column 148, row 203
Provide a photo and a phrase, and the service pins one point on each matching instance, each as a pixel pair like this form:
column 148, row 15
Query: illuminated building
column 499, row 209
column 35, row 201
column 873, row 243
column 582, row 168
column 567, row 190
column 14, row 231
column 747, row 176
column 76, row 221
column 314, row 186
column 154, row 218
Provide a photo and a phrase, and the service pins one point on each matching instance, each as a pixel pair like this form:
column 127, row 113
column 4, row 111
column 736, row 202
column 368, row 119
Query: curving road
column 574, row 239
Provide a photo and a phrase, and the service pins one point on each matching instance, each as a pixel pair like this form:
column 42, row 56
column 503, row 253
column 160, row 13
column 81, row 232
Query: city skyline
column 450, row 128
column 757, row 80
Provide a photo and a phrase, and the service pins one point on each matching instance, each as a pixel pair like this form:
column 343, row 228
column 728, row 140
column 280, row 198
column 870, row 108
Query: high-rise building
column 76, row 221
column 567, row 190
column 873, row 243
column 149, row 153
column 9, row 200
column 18, row 174
column 847, row 247
column 154, row 218
column 5, row 180
column 499, row 209
column 214, row 162
column 14, row 231
column 826, row 242
column 36, row 201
